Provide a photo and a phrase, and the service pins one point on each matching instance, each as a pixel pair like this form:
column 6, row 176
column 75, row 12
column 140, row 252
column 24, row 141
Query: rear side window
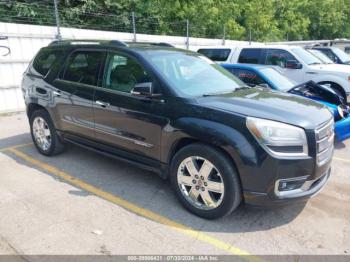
column 250, row 56
column 83, row 67
column 329, row 53
column 44, row 61
column 216, row 54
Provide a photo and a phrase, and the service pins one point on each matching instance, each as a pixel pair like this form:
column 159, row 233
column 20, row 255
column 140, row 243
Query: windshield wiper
column 242, row 88
column 315, row 63
column 217, row 94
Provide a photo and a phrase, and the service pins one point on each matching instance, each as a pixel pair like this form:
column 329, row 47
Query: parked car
column 296, row 63
column 183, row 116
column 337, row 55
column 270, row 77
column 325, row 59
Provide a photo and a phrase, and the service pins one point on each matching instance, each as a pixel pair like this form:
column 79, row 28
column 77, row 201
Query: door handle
column 101, row 103
column 56, row 93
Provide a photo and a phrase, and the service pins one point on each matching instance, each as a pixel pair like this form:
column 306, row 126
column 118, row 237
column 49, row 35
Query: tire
column 223, row 177
column 53, row 145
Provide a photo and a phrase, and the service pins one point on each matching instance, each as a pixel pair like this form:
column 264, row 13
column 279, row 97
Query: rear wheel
column 44, row 134
column 205, row 181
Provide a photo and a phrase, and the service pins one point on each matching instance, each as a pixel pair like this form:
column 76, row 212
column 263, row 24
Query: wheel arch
column 186, row 141
column 32, row 107
column 231, row 142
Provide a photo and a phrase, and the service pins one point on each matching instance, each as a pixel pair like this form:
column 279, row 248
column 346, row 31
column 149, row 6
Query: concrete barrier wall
column 26, row 40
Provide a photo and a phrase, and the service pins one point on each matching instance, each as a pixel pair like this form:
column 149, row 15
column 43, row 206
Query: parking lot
column 80, row 202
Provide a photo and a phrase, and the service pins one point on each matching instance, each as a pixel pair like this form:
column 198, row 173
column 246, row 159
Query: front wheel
column 205, row 181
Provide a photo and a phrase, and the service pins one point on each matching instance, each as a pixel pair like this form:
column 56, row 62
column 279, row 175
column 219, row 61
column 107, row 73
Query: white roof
column 255, row 45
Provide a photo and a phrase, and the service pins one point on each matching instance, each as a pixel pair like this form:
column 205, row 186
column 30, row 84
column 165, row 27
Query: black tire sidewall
column 54, row 139
column 232, row 193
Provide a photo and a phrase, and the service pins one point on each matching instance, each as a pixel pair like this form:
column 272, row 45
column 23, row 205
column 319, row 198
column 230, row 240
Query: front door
column 123, row 120
column 279, row 57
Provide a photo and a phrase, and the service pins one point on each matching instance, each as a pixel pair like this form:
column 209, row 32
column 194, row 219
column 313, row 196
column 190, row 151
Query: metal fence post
column 187, row 35
column 133, row 26
column 58, row 35
column 250, row 36
column 224, row 35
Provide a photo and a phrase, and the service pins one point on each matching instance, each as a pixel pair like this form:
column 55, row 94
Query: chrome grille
column 325, row 142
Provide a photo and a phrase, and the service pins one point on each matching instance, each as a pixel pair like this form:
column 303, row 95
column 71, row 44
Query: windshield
column 325, row 59
column 193, row 75
column 307, row 57
column 279, row 80
column 344, row 57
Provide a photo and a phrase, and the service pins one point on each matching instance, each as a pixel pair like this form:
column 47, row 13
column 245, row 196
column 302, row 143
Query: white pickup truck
column 296, row 63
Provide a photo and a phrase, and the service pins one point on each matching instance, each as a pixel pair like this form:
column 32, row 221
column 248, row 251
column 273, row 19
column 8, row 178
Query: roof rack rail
column 162, row 44
column 153, row 43
column 118, row 43
column 85, row 41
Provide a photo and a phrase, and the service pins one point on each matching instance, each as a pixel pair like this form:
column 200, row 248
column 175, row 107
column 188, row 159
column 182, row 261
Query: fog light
column 290, row 185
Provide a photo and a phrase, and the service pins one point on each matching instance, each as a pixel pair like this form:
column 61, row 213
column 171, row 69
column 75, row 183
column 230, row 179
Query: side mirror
column 293, row 64
column 144, row 90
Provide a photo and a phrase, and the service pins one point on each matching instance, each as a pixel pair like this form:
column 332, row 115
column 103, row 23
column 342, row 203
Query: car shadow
column 147, row 190
column 339, row 145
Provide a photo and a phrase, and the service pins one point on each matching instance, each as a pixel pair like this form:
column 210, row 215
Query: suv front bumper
column 308, row 189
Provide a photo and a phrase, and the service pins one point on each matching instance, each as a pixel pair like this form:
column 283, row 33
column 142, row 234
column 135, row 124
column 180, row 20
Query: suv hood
column 272, row 105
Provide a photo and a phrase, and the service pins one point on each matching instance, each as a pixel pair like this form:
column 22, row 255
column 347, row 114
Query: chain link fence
column 51, row 13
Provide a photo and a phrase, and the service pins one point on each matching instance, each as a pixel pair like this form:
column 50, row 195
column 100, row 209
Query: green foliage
column 264, row 20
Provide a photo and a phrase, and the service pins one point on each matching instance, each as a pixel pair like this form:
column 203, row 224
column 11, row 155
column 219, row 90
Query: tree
column 268, row 20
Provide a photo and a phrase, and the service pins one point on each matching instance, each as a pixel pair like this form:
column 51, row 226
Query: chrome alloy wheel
column 42, row 134
column 200, row 183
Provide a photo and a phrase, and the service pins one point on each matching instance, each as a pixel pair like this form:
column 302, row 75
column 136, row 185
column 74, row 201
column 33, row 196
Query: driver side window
column 278, row 57
column 122, row 73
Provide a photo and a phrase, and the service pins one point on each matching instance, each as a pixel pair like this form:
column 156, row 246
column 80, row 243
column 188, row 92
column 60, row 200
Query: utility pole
column 58, row 35
column 224, row 35
column 133, row 26
column 187, row 35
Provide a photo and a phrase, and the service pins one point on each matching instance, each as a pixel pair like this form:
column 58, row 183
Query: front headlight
column 279, row 139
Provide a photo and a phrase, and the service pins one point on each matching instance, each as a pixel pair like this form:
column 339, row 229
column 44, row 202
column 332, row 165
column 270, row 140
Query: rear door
column 75, row 87
column 251, row 56
column 123, row 120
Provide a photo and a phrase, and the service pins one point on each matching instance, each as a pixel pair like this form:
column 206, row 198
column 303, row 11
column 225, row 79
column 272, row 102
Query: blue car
column 270, row 77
